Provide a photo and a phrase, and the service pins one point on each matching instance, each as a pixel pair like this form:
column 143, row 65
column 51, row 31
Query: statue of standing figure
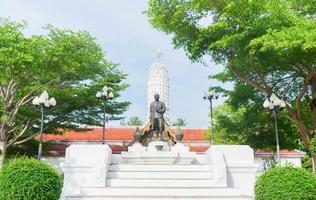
column 156, row 111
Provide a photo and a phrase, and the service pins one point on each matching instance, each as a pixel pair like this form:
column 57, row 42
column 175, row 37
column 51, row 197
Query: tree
column 242, row 120
column 268, row 45
column 134, row 121
column 71, row 66
column 249, row 125
column 180, row 122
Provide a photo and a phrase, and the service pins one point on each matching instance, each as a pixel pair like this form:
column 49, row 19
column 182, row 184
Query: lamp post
column 105, row 94
column 274, row 105
column 210, row 96
column 43, row 102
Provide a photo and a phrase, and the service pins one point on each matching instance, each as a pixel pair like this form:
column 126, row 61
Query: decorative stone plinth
column 158, row 146
column 233, row 166
column 158, row 152
column 184, row 155
column 85, row 166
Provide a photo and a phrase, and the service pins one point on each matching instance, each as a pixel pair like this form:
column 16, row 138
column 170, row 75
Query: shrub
column 29, row 179
column 286, row 183
column 307, row 163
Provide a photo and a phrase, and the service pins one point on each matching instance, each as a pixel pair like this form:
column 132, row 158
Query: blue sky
column 127, row 37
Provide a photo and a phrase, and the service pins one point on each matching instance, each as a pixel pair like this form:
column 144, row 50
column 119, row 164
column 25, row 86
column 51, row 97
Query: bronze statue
column 156, row 111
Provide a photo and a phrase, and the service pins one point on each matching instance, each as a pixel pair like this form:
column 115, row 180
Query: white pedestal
column 184, row 154
column 158, row 152
column 158, row 146
column 233, row 166
column 85, row 166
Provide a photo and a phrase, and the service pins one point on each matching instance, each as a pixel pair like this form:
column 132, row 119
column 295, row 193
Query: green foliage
column 250, row 124
column 70, row 65
column 27, row 149
column 286, row 183
column 134, row 121
column 180, row 122
column 307, row 163
column 29, row 179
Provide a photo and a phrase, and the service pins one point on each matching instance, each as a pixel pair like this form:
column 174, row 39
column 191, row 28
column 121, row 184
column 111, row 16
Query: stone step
column 160, row 193
column 160, row 175
column 170, row 168
column 117, row 159
column 160, row 183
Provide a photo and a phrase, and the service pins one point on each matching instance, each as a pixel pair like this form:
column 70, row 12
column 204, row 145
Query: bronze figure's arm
column 162, row 108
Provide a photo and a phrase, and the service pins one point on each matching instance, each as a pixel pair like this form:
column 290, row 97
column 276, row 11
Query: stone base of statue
column 158, row 168
column 158, row 152
column 159, row 171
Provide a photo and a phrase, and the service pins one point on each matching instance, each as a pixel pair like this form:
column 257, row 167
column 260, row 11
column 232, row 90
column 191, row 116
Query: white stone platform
column 163, row 172
column 158, row 152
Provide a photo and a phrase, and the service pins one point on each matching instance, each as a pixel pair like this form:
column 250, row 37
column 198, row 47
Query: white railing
column 85, row 166
column 233, row 166
column 216, row 162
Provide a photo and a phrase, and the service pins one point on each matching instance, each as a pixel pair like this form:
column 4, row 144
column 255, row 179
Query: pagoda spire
column 159, row 55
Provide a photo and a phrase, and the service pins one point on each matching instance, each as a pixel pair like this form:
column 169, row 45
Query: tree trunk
column 2, row 153
column 314, row 163
column 313, row 88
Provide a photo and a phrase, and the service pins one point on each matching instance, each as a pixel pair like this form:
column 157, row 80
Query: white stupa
column 158, row 82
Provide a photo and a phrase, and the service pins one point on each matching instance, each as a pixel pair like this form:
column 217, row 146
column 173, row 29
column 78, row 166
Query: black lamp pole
column 39, row 153
column 104, row 119
column 275, row 110
column 105, row 94
column 210, row 96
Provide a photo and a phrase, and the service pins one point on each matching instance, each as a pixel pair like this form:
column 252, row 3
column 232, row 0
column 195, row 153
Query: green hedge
column 29, row 179
column 286, row 183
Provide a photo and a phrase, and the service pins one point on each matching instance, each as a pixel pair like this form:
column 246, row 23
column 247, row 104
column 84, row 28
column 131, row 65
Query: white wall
column 284, row 161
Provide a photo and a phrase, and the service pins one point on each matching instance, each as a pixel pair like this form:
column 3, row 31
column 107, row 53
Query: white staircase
column 156, row 181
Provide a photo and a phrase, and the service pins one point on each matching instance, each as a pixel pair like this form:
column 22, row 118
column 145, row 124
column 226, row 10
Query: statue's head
column 156, row 96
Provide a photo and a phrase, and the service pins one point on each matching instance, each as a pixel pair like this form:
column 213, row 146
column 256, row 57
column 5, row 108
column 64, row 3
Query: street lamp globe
column 274, row 103
column 105, row 93
column 43, row 100
column 111, row 95
column 98, row 95
column 52, row 102
column 210, row 95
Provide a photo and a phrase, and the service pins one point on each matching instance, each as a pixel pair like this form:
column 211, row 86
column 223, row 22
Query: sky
column 128, row 39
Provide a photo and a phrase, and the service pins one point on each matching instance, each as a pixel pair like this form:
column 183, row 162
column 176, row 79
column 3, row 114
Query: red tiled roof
column 194, row 134
column 126, row 133
column 117, row 148
column 200, row 149
column 94, row 134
